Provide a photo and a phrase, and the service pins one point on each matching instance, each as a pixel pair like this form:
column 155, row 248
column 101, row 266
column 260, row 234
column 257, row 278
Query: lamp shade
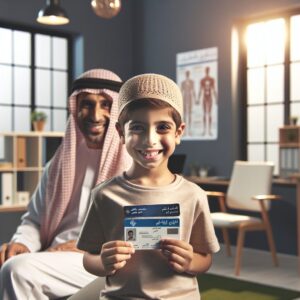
column 106, row 8
column 53, row 14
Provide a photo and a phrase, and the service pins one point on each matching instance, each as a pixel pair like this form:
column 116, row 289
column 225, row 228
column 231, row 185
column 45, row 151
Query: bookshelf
column 23, row 156
column 289, row 150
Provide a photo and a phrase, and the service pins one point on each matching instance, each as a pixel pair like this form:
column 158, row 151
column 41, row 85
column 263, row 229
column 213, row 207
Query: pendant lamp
column 106, row 8
column 53, row 14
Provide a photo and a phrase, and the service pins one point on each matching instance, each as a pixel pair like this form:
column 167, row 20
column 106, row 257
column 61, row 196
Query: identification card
column 146, row 225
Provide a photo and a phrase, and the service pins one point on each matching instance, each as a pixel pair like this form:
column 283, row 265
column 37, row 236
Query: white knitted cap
column 151, row 86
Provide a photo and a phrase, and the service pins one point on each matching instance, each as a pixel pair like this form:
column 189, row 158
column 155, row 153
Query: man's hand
column 179, row 254
column 8, row 250
column 114, row 255
column 67, row 246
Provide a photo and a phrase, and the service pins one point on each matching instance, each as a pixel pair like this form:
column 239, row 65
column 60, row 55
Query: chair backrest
column 249, row 179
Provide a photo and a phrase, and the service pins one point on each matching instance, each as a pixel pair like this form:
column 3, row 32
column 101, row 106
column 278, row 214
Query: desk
column 294, row 181
column 12, row 208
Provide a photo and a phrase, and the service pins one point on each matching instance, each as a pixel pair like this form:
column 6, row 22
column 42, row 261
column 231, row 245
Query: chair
column 249, row 191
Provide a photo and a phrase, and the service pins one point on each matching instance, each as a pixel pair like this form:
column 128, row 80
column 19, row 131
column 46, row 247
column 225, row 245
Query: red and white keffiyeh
column 114, row 159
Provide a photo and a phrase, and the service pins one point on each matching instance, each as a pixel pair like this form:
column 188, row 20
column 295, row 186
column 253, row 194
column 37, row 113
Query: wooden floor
column 257, row 267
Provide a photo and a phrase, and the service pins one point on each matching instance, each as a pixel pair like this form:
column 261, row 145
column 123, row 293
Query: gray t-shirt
column 147, row 274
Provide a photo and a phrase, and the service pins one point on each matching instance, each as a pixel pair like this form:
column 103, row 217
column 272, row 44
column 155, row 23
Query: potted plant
column 38, row 119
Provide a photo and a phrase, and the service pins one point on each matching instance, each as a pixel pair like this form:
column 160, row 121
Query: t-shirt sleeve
column 203, row 237
column 91, row 236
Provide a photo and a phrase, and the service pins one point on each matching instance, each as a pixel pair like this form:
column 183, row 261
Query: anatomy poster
column 197, row 77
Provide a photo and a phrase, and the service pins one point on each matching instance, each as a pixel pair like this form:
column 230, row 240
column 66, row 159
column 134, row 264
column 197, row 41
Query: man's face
column 93, row 115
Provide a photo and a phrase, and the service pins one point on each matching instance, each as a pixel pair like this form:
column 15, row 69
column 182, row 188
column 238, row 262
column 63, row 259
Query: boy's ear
column 179, row 133
column 120, row 132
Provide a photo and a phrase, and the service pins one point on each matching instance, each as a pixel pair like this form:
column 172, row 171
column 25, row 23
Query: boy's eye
column 85, row 104
column 163, row 127
column 106, row 104
column 136, row 127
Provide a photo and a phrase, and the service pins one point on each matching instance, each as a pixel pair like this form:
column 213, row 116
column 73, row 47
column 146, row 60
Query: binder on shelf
column 21, row 152
column 22, row 197
column 7, row 189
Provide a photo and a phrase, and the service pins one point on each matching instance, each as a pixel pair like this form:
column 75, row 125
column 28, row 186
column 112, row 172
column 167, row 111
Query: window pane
column 59, row 119
column 60, row 89
column 22, row 48
column 294, row 38
column 255, row 45
column 48, row 124
column 273, row 155
column 43, row 87
column 256, row 124
column 60, row 53
column 6, row 85
column 256, row 152
column 295, row 110
column 42, row 50
column 6, row 118
column 256, row 86
column 22, row 86
column 22, row 119
column 275, row 41
column 275, row 116
column 5, row 45
column 295, row 84
column 275, row 83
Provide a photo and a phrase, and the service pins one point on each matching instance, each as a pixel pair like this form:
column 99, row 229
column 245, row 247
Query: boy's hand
column 115, row 254
column 179, row 254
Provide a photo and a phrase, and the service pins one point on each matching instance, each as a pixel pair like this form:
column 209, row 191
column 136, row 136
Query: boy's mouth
column 150, row 154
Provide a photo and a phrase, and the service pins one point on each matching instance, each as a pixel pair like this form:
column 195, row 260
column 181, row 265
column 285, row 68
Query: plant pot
column 39, row 125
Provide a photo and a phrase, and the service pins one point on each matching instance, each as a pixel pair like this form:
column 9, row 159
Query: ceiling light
column 53, row 14
column 106, row 8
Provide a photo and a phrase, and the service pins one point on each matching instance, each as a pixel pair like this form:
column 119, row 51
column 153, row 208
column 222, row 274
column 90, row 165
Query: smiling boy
column 150, row 125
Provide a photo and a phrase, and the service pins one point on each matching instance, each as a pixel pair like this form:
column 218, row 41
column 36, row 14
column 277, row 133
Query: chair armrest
column 266, row 197
column 215, row 194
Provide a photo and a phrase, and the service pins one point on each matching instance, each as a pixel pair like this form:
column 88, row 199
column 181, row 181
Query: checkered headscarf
column 114, row 158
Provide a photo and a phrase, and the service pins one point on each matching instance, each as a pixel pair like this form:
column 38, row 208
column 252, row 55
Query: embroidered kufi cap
column 153, row 86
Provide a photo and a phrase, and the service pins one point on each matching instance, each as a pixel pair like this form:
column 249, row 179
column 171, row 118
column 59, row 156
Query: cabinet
column 23, row 156
column 289, row 150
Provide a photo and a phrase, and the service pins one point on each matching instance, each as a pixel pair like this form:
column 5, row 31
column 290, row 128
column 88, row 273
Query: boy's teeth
column 150, row 154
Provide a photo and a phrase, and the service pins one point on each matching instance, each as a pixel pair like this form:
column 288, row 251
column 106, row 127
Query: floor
column 257, row 267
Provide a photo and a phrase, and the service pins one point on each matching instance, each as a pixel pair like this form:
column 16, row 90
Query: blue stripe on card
column 159, row 210
column 162, row 222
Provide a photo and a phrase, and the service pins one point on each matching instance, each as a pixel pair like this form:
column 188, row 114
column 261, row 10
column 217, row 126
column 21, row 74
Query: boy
column 150, row 125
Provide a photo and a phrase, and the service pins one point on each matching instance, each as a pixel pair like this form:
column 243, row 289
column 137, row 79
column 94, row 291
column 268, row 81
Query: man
column 208, row 90
column 50, row 265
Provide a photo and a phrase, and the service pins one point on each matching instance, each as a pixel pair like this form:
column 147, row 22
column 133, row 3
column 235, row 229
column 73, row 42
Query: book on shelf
column 6, row 188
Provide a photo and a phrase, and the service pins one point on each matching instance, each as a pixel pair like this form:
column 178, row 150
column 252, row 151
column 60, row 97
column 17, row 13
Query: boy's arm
column 200, row 263
column 113, row 257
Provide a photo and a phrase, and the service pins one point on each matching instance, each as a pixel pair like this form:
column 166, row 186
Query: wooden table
column 293, row 181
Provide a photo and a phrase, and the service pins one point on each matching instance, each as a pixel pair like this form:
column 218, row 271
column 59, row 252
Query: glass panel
column 59, row 119
column 60, row 89
column 5, row 45
column 6, row 84
column 255, row 45
column 275, row 41
column 6, row 118
column 22, row 86
column 42, row 50
column 275, row 119
column 295, row 86
column 275, row 83
column 256, row 86
column 22, row 119
column 256, row 124
column 256, row 152
column 43, row 87
column 295, row 110
column 60, row 53
column 273, row 155
column 48, row 124
column 22, row 48
column 294, row 38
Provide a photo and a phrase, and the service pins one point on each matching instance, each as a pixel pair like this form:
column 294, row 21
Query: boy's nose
column 151, row 137
column 96, row 114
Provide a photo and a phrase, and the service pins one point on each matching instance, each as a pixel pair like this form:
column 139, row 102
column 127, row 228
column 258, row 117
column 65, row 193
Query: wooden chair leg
column 272, row 245
column 239, row 248
column 226, row 240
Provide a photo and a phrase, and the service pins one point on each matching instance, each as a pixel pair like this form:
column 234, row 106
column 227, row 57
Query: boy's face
column 150, row 136
column 93, row 115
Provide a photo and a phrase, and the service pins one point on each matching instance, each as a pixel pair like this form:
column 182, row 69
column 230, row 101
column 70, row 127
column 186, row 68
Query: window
column 35, row 72
column 272, row 72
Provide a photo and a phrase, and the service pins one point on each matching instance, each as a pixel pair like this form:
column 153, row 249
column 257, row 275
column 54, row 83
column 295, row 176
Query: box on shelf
column 22, row 197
